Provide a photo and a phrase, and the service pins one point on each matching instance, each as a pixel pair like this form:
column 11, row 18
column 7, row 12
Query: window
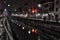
column 56, row 9
column 51, row 8
column 57, row 1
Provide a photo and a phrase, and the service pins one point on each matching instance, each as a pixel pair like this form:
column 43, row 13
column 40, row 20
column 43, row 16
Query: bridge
column 16, row 28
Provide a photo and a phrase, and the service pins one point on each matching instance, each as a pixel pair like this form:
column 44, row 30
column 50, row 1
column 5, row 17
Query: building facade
column 57, row 8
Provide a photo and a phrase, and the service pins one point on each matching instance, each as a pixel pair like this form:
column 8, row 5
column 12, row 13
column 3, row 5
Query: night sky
column 15, row 4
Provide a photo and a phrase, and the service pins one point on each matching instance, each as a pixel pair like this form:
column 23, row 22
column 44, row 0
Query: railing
column 49, row 30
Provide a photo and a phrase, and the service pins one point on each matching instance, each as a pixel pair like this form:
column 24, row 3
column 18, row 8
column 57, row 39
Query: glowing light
column 37, row 14
column 8, row 5
column 29, row 31
column 5, row 12
column 5, row 9
column 33, row 30
column 34, row 10
column 23, row 28
column 39, row 5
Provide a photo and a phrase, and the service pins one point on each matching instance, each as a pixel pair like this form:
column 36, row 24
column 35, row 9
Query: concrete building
column 57, row 8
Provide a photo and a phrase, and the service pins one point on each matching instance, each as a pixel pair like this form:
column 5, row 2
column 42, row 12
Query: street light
column 8, row 5
column 23, row 28
column 29, row 32
column 39, row 5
